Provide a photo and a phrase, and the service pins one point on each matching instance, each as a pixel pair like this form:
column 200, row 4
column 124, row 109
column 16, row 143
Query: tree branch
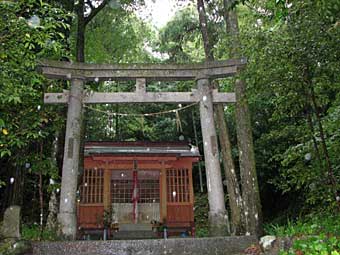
column 95, row 11
column 261, row 12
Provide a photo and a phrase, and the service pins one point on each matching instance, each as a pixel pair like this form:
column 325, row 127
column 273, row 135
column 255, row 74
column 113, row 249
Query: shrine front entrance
column 135, row 196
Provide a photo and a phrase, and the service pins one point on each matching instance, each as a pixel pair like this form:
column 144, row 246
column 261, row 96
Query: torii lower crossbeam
column 131, row 97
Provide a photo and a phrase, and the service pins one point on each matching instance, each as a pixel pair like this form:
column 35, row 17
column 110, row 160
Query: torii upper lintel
column 97, row 72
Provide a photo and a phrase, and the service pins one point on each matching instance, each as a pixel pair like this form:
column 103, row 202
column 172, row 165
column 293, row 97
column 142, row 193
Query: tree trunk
column 231, row 20
column 204, row 30
column 249, row 183
column 330, row 171
column 235, row 200
column 41, row 203
column 196, row 141
column 51, row 223
column 312, row 130
column 14, row 185
column 233, row 188
column 80, row 57
column 80, row 44
column 41, row 194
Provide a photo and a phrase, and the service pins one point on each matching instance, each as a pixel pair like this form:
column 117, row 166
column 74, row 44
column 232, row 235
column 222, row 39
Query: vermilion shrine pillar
column 67, row 211
column 218, row 217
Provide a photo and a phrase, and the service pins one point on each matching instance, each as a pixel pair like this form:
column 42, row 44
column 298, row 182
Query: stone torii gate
column 79, row 73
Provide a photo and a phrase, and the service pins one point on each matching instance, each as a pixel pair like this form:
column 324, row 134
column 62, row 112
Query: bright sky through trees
column 159, row 12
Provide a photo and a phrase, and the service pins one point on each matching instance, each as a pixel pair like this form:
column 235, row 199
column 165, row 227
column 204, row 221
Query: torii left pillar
column 67, row 217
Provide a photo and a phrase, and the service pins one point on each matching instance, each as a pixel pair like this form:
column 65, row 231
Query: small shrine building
column 137, row 186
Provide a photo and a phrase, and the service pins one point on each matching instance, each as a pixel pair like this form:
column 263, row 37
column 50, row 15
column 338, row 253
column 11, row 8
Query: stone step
column 175, row 246
column 135, row 227
column 132, row 235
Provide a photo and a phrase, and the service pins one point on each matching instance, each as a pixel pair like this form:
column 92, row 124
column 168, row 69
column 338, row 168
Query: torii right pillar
column 218, row 216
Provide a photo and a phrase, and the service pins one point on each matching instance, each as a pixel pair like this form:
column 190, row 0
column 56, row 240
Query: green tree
column 29, row 30
column 292, row 76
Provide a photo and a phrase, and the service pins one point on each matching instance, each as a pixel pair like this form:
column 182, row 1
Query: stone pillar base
column 218, row 224
column 68, row 225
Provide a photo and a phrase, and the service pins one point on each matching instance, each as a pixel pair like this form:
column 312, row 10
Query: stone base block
column 174, row 246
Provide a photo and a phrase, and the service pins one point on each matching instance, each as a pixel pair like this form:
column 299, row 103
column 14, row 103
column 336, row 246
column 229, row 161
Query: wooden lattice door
column 122, row 196
column 179, row 196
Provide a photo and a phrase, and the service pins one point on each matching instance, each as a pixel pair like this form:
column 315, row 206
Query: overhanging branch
column 95, row 11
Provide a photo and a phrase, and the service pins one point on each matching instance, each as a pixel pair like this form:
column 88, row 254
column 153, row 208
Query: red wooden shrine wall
column 175, row 211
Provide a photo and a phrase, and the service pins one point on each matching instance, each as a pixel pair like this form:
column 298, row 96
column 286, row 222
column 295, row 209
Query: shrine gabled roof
column 131, row 148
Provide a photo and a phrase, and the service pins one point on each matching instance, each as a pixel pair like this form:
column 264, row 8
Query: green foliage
column 181, row 38
column 11, row 247
column 313, row 235
column 33, row 233
column 201, row 211
column 5, row 248
column 324, row 223
column 317, row 245
column 45, row 165
column 107, row 218
column 118, row 36
column 289, row 59
column 29, row 30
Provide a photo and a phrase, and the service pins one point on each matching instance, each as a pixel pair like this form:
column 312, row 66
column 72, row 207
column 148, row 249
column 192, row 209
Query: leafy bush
column 316, row 234
column 314, row 224
column 202, row 232
column 33, row 233
column 315, row 245
column 201, row 214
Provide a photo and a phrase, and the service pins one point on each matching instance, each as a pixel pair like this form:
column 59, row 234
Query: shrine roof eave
column 96, row 72
column 181, row 151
